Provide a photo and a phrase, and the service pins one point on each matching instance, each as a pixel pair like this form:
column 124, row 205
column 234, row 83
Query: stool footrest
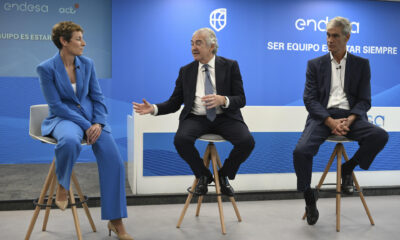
column 334, row 190
column 77, row 201
column 196, row 195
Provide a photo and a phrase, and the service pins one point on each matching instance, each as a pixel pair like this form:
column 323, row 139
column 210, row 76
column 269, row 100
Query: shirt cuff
column 226, row 103
column 155, row 110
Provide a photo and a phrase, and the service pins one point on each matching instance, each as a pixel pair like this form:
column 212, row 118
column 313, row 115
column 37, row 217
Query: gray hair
column 341, row 22
column 211, row 38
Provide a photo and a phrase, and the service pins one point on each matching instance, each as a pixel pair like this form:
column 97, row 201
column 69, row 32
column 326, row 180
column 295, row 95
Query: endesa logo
column 320, row 25
column 377, row 120
column 69, row 10
column 26, row 7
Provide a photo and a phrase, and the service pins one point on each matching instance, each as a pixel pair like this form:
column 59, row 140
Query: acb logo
column 69, row 10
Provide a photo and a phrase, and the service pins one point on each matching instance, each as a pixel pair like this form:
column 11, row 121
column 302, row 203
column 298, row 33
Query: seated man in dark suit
column 337, row 96
column 211, row 90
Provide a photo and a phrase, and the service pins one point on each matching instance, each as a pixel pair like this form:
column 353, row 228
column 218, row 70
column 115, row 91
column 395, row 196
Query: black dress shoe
column 311, row 197
column 202, row 185
column 347, row 183
column 226, row 188
column 312, row 214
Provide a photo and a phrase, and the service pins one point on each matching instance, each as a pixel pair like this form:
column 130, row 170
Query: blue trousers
column 110, row 166
column 371, row 139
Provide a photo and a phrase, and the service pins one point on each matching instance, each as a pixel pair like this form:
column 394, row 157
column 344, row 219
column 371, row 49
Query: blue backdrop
column 25, row 33
column 158, row 44
column 151, row 41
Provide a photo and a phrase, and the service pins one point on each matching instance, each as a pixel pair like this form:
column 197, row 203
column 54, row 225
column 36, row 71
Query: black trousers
column 233, row 130
column 370, row 138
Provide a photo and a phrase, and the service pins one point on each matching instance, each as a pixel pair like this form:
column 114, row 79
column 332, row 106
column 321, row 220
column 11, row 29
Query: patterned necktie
column 211, row 113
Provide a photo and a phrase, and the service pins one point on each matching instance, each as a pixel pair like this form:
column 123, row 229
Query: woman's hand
column 93, row 133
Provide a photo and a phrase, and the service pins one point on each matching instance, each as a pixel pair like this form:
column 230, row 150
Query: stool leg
column 363, row 199
column 82, row 198
column 328, row 166
column 41, row 200
column 217, row 188
column 190, row 195
column 206, row 161
column 232, row 199
column 338, row 185
column 75, row 213
column 199, row 201
column 326, row 171
column 49, row 200
column 188, row 199
column 360, row 192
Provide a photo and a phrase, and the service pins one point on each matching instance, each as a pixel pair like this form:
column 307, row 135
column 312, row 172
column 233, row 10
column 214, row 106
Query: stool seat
column 50, row 140
column 210, row 137
column 36, row 116
column 338, row 139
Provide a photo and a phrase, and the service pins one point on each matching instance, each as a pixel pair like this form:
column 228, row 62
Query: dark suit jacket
column 356, row 86
column 84, row 108
column 228, row 83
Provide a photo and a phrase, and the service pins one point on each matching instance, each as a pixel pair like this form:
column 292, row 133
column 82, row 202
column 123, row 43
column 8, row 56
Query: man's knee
column 384, row 136
column 380, row 136
column 299, row 152
column 246, row 144
column 250, row 143
column 181, row 140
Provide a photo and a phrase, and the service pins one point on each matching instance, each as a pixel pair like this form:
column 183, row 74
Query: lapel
column 63, row 79
column 326, row 70
column 349, row 62
column 219, row 75
column 80, row 76
column 192, row 79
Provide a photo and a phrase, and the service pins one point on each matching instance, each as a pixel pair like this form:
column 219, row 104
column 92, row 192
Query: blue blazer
column 357, row 86
column 84, row 108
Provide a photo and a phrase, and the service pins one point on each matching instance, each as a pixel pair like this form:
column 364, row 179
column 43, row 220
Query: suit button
column 79, row 106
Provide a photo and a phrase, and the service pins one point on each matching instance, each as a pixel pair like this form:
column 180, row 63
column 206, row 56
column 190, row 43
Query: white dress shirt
column 74, row 87
column 198, row 106
column 337, row 96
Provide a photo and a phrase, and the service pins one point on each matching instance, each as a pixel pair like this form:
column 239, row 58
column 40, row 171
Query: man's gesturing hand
column 143, row 108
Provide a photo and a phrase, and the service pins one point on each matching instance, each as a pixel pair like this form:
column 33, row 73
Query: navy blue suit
column 229, row 124
column 70, row 115
column 357, row 87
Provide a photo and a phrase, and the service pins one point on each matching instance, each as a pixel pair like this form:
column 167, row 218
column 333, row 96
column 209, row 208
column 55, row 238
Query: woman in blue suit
column 76, row 111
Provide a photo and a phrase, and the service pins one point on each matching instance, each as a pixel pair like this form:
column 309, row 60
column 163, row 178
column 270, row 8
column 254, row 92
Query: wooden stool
column 338, row 152
column 210, row 154
column 37, row 114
